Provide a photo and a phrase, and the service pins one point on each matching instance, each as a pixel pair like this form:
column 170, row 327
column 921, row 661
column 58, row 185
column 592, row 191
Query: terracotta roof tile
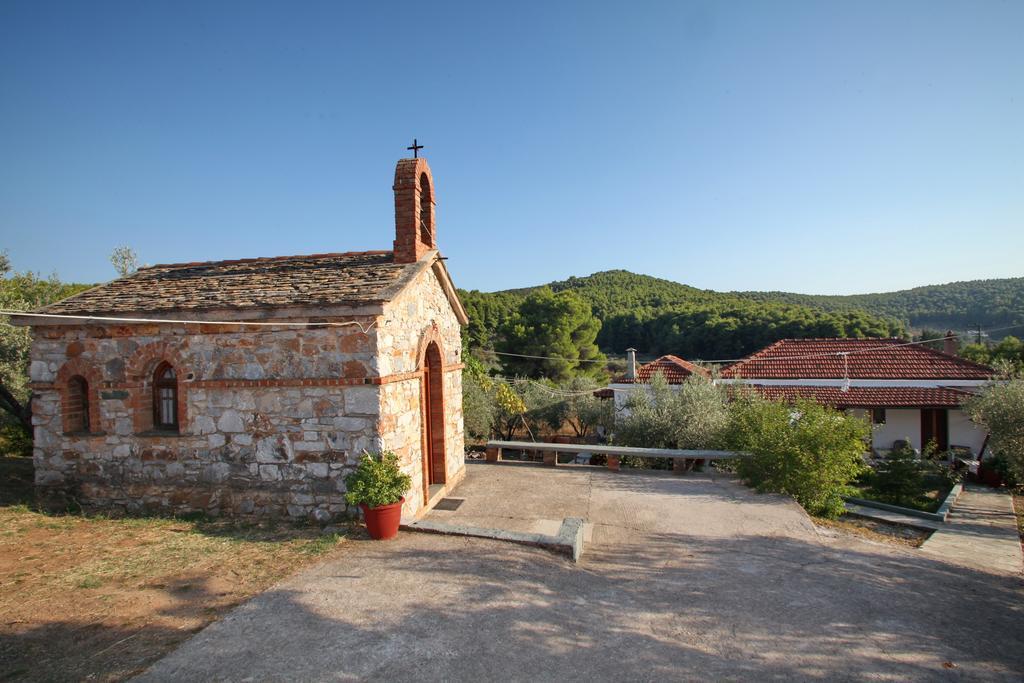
column 867, row 397
column 314, row 280
column 674, row 368
column 867, row 359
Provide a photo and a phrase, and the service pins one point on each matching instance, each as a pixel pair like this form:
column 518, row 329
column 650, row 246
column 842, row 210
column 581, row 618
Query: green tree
column 124, row 260
column 580, row 409
column 691, row 416
column 509, row 411
column 558, row 325
column 806, row 450
column 999, row 407
column 898, row 478
column 21, row 292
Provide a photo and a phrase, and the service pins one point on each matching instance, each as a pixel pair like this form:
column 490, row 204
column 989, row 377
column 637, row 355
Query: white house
column 911, row 392
column 674, row 369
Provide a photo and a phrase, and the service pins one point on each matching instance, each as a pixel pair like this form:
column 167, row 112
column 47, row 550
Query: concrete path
column 670, row 596
column 981, row 533
column 618, row 506
column 892, row 517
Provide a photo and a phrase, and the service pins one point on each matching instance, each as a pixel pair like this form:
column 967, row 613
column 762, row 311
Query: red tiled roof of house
column 313, row 280
column 867, row 359
column 674, row 368
column 865, row 397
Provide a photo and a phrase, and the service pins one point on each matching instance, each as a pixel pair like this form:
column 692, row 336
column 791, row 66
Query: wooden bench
column 680, row 457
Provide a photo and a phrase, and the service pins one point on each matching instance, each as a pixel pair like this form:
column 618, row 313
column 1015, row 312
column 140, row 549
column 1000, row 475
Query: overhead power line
column 830, row 354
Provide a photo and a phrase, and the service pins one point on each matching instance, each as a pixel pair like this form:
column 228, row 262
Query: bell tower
column 415, row 210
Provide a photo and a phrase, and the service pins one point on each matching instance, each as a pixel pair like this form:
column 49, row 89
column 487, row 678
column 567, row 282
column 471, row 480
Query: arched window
column 425, row 211
column 76, row 408
column 165, row 398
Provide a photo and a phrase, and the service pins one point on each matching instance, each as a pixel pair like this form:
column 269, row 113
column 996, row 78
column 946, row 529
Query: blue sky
column 802, row 146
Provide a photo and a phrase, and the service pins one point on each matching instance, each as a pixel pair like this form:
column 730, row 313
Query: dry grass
column 99, row 598
column 872, row 530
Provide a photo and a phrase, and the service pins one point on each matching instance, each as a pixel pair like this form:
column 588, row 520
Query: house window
column 76, row 408
column 878, row 416
column 165, row 398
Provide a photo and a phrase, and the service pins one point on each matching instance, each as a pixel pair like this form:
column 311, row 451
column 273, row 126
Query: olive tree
column 1000, row 409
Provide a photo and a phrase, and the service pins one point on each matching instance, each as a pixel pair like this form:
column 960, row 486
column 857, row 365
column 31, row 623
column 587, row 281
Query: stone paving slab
column 981, row 532
column 619, row 506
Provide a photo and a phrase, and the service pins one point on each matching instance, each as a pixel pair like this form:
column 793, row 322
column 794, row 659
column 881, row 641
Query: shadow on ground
column 671, row 606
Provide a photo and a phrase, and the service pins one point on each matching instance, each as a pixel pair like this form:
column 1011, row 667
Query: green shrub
column 376, row 481
column 1002, row 466
column 898, row 478
column 693, row 416
column 1000, row 409
column 806, row 450
column 14, row 440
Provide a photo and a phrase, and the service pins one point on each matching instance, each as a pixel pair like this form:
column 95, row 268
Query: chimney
column 949, row 345
column 631, row 364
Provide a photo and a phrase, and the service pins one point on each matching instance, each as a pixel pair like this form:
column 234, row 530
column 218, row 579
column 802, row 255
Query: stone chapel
column 251, row 387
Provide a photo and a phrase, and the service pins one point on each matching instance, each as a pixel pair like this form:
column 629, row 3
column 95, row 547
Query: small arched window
column 425, row 211
column 76, row 417
column 165, row 398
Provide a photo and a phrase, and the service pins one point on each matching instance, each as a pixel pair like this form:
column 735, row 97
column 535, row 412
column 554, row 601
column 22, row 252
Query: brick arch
column 139, row 371
column 431, row 334
column 77, row 367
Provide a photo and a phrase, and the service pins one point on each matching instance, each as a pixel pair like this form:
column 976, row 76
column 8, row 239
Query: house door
column 433, row 418
column 935, row 426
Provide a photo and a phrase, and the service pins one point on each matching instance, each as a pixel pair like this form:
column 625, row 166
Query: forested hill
column 660, row 316
column 957, row 305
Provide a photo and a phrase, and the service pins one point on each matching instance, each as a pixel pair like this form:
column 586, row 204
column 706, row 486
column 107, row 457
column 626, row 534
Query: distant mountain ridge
column 961, row 305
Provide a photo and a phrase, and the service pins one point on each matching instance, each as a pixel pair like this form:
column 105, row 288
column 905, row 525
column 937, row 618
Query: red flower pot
column 382, row 522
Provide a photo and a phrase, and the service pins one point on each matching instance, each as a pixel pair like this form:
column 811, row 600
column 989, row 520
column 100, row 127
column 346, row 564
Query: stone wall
column 271, row 419
column 421, row 314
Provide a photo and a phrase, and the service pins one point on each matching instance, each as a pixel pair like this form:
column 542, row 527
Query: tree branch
column 23, row 413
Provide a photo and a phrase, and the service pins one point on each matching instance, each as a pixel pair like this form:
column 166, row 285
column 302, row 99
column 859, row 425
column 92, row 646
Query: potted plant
column 378, row 486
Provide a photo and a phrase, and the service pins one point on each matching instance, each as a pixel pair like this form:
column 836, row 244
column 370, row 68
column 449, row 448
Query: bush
column 376, row 481
column 806, row 450
column 1000, row 409
column 14, row 440
column 693, row 416
column 477, row 408
column 898, row 478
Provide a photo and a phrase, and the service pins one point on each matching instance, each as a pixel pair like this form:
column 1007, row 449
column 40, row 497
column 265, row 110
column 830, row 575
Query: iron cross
column 415, row 148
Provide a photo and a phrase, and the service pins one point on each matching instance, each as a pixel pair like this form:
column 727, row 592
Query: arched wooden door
column 433, row 418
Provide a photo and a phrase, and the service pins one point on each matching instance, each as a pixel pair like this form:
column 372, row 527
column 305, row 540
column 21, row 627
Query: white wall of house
column 963, row 432
column 899, row 424
column 906, row 424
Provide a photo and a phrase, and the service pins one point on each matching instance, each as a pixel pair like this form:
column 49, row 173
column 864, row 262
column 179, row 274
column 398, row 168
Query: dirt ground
column 874, row 530
column 99, row 599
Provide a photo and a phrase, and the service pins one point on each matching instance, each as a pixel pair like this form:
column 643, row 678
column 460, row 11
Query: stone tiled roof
column 674, row 368
column 868, row 397
column 315, row 280
column 867, row 359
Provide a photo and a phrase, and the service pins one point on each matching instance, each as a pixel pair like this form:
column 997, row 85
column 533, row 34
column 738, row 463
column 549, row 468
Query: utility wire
column 831, row 354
